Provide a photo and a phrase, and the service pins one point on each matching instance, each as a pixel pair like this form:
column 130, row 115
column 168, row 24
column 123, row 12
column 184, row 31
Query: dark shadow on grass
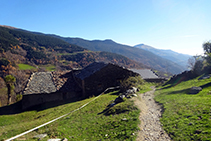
column 183, row 91
column 52, row 104
column 16, row 108
column 112, row 110
column 206, row 85
column 115, row 93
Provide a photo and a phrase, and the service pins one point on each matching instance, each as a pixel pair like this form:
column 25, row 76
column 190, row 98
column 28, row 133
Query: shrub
column 131, row 82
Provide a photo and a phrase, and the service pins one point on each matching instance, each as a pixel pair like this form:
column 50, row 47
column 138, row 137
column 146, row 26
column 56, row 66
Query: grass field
column 50, row 68
column 92, row 122
column 186, row 116
column 25, row 67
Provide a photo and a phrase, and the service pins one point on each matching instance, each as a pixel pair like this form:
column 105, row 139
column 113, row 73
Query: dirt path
column 150, row 127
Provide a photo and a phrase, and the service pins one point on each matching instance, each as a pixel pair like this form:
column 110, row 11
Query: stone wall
column 156, row 80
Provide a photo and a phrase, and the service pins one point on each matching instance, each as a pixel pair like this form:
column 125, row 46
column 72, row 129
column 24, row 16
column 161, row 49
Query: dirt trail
column 150, row 127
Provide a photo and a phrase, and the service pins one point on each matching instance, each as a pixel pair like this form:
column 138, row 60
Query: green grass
column 51, row 68
column 186, row 116
column 146, row 87
column 89, row 123
column 25, row 67
column 48, row 67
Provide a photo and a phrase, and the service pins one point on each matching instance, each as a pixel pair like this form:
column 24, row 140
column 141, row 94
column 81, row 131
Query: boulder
column 195, row 90
column 119, row 99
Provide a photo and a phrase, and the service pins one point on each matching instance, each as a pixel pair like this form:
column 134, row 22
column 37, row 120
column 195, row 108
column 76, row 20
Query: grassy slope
column 186, row 116
column 25, row 67
column 83, row 124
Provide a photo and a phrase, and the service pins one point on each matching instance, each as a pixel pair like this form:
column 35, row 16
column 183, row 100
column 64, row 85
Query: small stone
column 54, row 139
column 151, row 134
column 190, row 123
column 64, row 139
column 195, row 90
column 40, row 136
column 135, row 95
column 124, row 119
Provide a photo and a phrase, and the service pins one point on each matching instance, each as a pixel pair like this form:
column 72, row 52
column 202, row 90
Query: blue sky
column 179, row 25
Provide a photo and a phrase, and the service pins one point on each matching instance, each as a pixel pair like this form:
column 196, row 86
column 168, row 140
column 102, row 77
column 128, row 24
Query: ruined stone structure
column 44, row 87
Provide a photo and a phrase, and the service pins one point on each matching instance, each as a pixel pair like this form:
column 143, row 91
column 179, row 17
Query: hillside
column 150, row 59
column 186, row 116
column 119, row 122
column 178, row 58
column 23, row 52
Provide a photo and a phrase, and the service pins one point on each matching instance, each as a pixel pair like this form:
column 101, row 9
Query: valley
column 44, row 76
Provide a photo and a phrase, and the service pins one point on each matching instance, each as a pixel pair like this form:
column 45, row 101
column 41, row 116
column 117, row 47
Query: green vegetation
column 89, row 123
column 186, row 117
column 50, row 68
column 131, row 82
column 10, row 80
column 3, row 96
column 25, row 67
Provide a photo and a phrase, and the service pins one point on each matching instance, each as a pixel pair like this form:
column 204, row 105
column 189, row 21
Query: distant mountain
column 40, row 49
column 140, row 55
column 173, row 56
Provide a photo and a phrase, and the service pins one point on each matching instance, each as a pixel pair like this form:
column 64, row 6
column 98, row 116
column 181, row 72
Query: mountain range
column 140, row 56
column 178, row 58
column 146, row 57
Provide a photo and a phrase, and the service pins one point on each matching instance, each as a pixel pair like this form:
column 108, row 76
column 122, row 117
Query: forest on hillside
column 23, row 52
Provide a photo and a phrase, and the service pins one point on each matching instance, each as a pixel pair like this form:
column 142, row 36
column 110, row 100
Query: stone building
column 98, row 76
column 43, row 87
column 46, row 87
column 148, row 75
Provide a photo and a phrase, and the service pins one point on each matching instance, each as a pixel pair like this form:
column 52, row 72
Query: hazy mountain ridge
column 140, row 55
column 173, row 56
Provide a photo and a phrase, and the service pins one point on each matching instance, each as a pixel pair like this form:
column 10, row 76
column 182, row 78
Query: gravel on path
column 150, row 127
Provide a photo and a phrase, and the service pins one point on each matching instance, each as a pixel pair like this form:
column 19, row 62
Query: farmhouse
column 46, row 87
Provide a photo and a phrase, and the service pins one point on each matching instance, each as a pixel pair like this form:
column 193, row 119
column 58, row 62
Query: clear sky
column 179, row 25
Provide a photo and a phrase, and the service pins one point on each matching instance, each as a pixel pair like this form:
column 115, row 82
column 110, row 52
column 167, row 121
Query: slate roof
column 91, row 69
column 145, row 73
column 41, row 82
column 48, row 82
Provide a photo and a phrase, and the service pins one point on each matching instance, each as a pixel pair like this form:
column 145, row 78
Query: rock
column 132, row 90
column 205, row 77
column 195, row 90
column 119, row 99
column 54, row 139
column 134, row 95
column 135, row 89
column 40, row 136
column 111, row 105
column 124, row 119
column 190, row 123
column 64, row 139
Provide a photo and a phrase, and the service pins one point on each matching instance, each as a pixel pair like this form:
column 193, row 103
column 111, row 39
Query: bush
column 131, row 82
column 19, row 97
